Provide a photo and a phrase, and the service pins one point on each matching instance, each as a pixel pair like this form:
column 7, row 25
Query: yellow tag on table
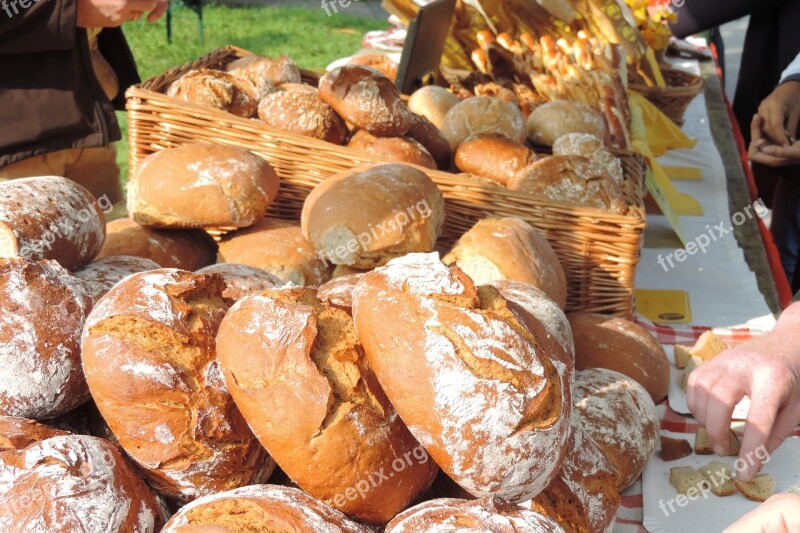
column 664, row 306
column 683, row 173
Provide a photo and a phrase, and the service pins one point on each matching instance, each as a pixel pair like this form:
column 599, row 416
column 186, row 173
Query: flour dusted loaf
column 216, row 89
column 17, row 433
column 396, row 149
column 591, row 147
column 303, row 113
column 493, row 156
column 551, row 120
column 277, row 71
column 241, row 280
column 301, row 379
column 483, row 114
column 103, row 274
column 50, row 217
column 42, row 312
column 432, row 102
column 260, row 508
column 150, row 360
column 338, row 292
column 201, row 186
column 489, row 401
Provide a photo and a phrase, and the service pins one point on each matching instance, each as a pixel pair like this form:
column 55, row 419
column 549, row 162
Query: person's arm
column 762, row 150
column 781, row 109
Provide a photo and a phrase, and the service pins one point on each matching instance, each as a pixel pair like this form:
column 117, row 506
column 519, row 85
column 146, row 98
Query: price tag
column 664, row 306
column 664, row 203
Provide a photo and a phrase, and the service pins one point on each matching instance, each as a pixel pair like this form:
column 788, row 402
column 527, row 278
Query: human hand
column 781, row 113
column 113, row 13
column 763, row 151
column 779, row 514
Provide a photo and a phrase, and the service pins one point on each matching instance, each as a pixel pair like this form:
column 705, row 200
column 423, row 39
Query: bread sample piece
column 184, row 249
column 708, row 346
column 303, row 113
column 279, row 247
column 620, row 416
column 74, row 483
column 380, row 62
column 603, row 341
column 702, row 444
column 686, row 479
column 494, row 156
column 432, row 102
column 591, row 147
column 674, row 449
column 18, row 433
column 367, row 99
column 103, row 274
column 573, row 180
column 509, row 248
column 50, row 217
column 217, row 89
column 682, row 355
column 720, row 478
column 300, row 378
column 552, row 120
column 368, row 215
column 201, row 186
column 241, row 280
column 483, row 114
column 278, row 71
column 428, row 135
column 150, row 360
column 260, row 508
column 489, row 401
column 759, row 489
column 344, row 270
column 397, row 149
column 449, row 515
column 338, row 292
column 42, row 312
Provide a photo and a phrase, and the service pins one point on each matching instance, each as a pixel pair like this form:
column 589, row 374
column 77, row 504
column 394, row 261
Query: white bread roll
column 432, row 102
column 483, row 114
column 551, row 120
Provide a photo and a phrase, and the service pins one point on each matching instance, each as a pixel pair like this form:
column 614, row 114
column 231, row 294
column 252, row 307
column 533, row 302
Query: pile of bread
column 147, row 370
column 490, row 135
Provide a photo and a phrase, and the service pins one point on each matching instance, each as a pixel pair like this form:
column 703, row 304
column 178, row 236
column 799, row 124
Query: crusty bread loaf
column 260, row 508
column 300, row 378
column 303, row 113
column 380, row 62
column 448, row 515
column 493, row 156
column 620, row 416
column 42, row 312
column 18, row 433
column 396, row 149
column 50, row 217
column 483, row 114
column 278, row 71
column 217, row 89
column 432, row 102
column 103, row 274
column 345, row 270
column 338, row 292
column 201, row 185
column 241, row 280
column 509, row 248
column 603, row 341
column 428, row 135
column 74, row 483
column 484, row 396
column 591, row 147
column 279, row 247
column 551, row 120
column 150, row 361
column 368, row 215
column 367, row 99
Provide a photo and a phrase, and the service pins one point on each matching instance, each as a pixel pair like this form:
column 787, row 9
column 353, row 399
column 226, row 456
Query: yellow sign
column 664, row 306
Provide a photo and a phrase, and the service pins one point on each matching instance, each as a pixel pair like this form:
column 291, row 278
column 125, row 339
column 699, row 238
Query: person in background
column 64, row 68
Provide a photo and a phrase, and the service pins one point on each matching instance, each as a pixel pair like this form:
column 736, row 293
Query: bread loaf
column 338, row 292
column 201, row 186
column 103, row 274
column 473, row 384
column 217, row 89
column 279, row 247
column 278, row 71
column 18, row 433
column 483, row 114
column 432, row 102
column 428, row 135
column 551, row 120
column 303, row 113
column 591, row 147
column 368, row 215
column 493, row 156
column 50, row 217
column 241, row 280
column 150, row 360
column 380, row 62
column 300, row 378
column 397, row 149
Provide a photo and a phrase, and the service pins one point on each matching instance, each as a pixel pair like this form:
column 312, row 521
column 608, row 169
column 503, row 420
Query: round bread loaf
column 603, row 341
column 338, row 292
column 344, row 270
column 551, row 120
column 571, row 179
column 18, row 433
column 74, row 483
column 150, row 360
column 42, row 312
column 304, row 113
column 217, row 89
column 487, row 514
column 432, row 102
column 493, row 156
column 368, row 215
column 380, row 62
column 304, row 87
column 50, row 217
column 591, row 147
column 620, row 416
column 423, row 131
column 279, row 247
column 241, row 280
column 483, row 114
column 260, row 508
column 367, row 99
column 202, row 186
column 300, row 378
column 397, row 149
column 466, row 374
column 278, row 71
column 184, row 249
column 103, row 274
column 509, row 248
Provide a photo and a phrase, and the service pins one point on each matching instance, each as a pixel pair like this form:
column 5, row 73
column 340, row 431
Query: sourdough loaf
column 338, row 292
column 103, row 274
column 432, row 102
column 483, row 114
column 591, row 147
column 217, row 89
column 304, row 113
column 17, row 433
column 396, row 149
column 551, row 120
column 428, row 135
column 241, row 280
column 278, row 71
column 493, row 156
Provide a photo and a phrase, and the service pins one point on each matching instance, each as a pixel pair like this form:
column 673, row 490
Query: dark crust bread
column 396, row 149
column 674, row 449
column 217, row 89
column 18, row 433
column 304, row 113
column 428, row 135
column 493, row 156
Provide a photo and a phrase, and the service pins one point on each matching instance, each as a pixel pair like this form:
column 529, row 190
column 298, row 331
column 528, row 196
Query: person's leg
column 97, row 170
column 786, row 226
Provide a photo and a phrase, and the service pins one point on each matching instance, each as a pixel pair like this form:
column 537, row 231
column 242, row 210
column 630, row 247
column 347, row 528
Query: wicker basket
column 598, row 250
column 673, row 100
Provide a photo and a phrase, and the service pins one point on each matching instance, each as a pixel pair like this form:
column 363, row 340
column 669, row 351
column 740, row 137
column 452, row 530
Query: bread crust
column 216, row 89
column 483, row 114
column 304, row 113
column 551, row 120
column 338, row 292
column 103, row 274
column 278, row 71
column 241, row 280
column 17, row 433
column 493, row 156
column 428, row 135
column 397, row 149
column 432, row 102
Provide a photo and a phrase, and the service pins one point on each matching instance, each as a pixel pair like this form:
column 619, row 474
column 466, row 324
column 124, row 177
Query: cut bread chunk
column 686, row 478
column 708, row 346
column 682, row 355
column 759, row 489
column 720, row 476
column 702, row 444
column 673, row 449
column 691, row 364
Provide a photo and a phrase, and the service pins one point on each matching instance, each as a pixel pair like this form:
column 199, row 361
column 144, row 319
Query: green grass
column 310, row 37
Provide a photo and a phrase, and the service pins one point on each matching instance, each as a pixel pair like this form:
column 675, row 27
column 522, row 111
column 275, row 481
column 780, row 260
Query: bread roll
column 42, row 312
column 602, row 341
column 570, row 179
column 260, row 508
column 509, row 248
column 50, row 217
column 591, row 147
column 217, row 89
column 278, row 71
column 299, row 376
column 338, row 292
column 150, row 360
column 487, row 514
column 367, row 99
column 344, row 270
column 241, row 280
column 493, row 156
column 18, row 433
column 201, row 186
column 483, row 114
column 304, row 113
column 432, row 102
column 380, row 62
column 368, row 215
column 620, row 416
column 74, row 483
column 279, row 247
column 423, row 131
column 103, row 274
column 397, row 149
column 473, row 384
column 551, row 120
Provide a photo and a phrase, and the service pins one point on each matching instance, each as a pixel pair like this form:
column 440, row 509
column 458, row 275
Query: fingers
column 792, row 122
column 140, row 6
column 756, row 126
column 158, row 12
column 721, row 403
column 774, row 125
column 770, row 161
column 761, row 419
